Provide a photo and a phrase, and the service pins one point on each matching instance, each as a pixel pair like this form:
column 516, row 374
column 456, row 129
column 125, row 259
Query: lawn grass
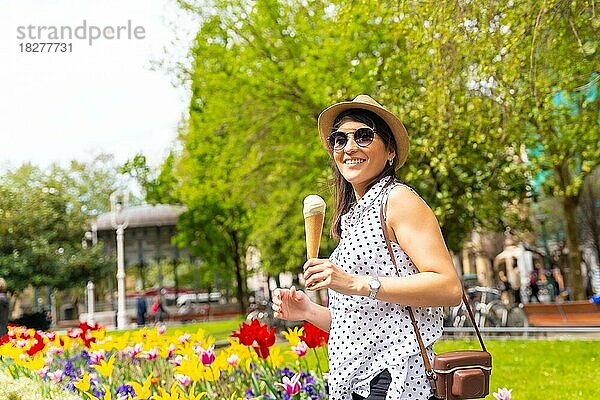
column 218, row 329
column 533, row 369
column 541, row 369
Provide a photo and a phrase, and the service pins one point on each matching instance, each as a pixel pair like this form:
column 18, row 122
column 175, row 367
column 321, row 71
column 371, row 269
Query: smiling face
column 360, row 166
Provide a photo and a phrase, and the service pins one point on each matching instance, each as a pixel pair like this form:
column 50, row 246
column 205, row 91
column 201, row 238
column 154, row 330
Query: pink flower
column 42, row 372
column 183, row 379
column 233, row 360
column 55, row 376
column 161, row 329
column 290, row 386
column 151, row 354
column 300, row 349
column 177, row 360
column 503, row 394
column 133, row 351
column 184, row 338
column 97, row 356
column 172, row 349
column 208, row 356
column 54, row 350
column 74, row 333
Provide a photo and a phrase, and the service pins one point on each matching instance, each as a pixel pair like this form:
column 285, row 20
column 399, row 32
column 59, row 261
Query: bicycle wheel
column 517, row 317
column 497, row 314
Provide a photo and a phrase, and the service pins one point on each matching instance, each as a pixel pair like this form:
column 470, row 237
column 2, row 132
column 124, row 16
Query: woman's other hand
column 291, row 304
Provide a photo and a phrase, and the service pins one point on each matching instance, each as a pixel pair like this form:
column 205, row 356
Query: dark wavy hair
column 342, row 189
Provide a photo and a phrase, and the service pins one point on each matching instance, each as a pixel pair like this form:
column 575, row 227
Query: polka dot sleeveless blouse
column 368, row 336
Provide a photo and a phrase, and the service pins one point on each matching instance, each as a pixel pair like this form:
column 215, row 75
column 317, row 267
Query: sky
column 103, row 97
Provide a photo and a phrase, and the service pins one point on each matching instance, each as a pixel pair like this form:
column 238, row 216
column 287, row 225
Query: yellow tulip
column 142, row 392
column 106, row 367
column 191, row 367
column 174, row 393
column 107, row 394
column 84, row 383
column 192, row 396
column 276, row 357
column 32, row 364
column 293, row 336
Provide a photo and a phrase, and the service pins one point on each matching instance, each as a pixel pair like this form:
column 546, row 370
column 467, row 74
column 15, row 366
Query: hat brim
column 328, row 116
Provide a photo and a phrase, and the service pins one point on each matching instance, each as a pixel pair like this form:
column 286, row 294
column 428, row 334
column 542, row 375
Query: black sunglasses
column 362, row 136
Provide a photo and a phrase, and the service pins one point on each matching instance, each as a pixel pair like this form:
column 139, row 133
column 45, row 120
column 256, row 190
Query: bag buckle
column 432, row 377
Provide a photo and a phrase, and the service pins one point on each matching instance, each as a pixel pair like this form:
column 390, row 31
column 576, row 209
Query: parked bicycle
column 488, row 308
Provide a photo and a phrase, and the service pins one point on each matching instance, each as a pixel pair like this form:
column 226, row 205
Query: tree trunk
column 175, row 278
column 239, row 276
column 574, row 279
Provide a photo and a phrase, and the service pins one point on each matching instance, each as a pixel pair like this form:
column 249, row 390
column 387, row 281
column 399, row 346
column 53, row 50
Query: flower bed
column 162, row 365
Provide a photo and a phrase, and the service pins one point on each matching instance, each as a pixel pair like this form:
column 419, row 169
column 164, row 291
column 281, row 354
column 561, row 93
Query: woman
column 373, row 352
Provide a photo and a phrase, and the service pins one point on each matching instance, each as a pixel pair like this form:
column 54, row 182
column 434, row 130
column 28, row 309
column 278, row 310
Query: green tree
column 158, row 184
column 262, row 72
column 44, row 215
column 554, row 69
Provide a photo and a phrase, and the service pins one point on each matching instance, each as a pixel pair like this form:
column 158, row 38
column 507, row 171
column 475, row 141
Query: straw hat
column 365, row 102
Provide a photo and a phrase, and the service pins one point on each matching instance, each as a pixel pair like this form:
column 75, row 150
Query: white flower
column 503, row 394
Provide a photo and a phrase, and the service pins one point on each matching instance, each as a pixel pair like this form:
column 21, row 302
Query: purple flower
column 98, row 392
column 69, row 370
column 70, row 387
column 124, row 391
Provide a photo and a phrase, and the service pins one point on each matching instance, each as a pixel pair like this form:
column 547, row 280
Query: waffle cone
column 313, row 226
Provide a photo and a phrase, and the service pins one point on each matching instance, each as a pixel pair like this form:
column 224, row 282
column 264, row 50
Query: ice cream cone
column 314, row 216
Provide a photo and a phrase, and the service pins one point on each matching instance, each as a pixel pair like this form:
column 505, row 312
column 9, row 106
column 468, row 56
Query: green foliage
column 158, row 187
column 552, row 69
column 43, row 219
column 263, row 71
column 479, row 86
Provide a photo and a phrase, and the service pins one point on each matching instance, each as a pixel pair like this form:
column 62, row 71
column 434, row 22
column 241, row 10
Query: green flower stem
column 318, row 361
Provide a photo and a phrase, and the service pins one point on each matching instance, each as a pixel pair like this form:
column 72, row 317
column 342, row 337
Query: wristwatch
column 374, row 286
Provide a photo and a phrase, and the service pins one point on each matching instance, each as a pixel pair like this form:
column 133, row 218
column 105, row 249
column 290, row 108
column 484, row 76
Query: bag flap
column 463, row 358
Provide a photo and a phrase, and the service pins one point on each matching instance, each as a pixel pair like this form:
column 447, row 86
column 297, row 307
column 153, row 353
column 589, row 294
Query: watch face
column 374, row 284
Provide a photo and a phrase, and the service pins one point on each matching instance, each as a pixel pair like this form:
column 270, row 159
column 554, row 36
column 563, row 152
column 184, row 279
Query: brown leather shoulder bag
column 455, row 375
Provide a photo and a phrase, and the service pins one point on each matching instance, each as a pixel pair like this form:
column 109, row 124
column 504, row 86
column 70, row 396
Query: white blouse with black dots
column 368, row 336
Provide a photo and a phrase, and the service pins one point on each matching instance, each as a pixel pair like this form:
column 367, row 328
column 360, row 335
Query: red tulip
column 256, row 335
column 313, row 336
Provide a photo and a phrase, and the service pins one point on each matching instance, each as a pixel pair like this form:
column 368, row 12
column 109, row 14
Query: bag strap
column 429, row 371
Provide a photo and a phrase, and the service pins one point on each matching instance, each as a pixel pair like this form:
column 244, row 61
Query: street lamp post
column 90, row 303
column 119, row 223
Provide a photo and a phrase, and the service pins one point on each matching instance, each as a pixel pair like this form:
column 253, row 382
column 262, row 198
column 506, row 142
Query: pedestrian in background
column 533, row 286
column 4, row 306
column 159, row 309
column 142, row 309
